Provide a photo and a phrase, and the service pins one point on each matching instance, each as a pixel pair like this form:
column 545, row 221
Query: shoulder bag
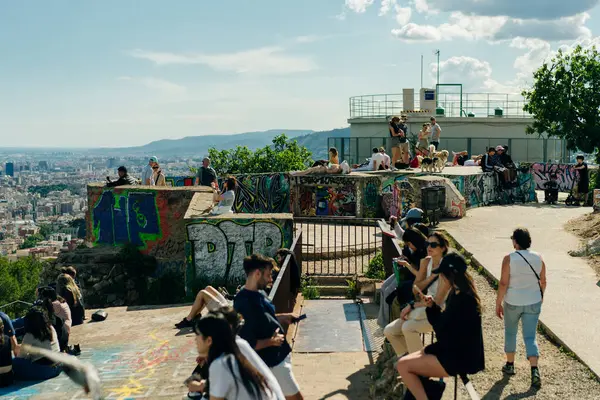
column 536, row 274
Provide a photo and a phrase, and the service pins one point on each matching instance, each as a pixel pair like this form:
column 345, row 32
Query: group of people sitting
column 436, row 294
column 498, row 160
column 242, row 350
column 47, row 324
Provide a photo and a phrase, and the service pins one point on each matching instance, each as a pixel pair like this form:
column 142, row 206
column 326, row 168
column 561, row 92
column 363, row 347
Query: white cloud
column 521, row 9
column 157, row 84
column 417, row 33
column 386, row 6
column 568, row 28
column 262, row 61
column 403, row 15
column 476, row 75
column 359, row 6
column 306, row 39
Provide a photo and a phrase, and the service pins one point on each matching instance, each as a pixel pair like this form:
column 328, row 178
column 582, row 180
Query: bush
column 18, row 282
column 376, row 269
column 309, row 290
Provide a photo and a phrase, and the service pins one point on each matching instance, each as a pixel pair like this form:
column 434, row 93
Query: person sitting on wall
column 68, row 290
column 387, row 161
column 375, row 162
column 508, row 175
column 488, row 162
column 333, row 159
column 226, row 199
column 124, row 179
column 208, row 297
column 551, row 190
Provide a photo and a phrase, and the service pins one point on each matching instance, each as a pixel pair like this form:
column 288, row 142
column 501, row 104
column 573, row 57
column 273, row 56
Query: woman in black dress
column 459, row 346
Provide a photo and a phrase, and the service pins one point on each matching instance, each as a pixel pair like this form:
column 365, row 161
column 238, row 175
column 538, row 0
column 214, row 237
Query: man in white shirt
column 376, row 160
column 436, row 131
column 147, row 172
column 386, row 159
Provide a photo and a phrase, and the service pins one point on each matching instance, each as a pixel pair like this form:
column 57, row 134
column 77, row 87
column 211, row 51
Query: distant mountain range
column 316, row 142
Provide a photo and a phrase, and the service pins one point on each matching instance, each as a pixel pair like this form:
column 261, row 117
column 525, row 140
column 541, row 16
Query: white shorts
column 284, row 375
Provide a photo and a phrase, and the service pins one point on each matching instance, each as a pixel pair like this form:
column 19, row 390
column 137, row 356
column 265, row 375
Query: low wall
column 218, row 245
column 566, row 175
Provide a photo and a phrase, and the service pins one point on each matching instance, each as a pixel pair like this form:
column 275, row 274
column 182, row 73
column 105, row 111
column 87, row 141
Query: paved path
column 572, row 301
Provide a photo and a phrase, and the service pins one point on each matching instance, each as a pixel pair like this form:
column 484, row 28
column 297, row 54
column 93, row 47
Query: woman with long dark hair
column 459, row 346
column 230, row 374
column 6, row 371
column 226, row 199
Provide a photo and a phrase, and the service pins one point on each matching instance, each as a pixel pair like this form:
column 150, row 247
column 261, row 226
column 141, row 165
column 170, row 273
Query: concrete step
column 331, row 280
column 332, row 290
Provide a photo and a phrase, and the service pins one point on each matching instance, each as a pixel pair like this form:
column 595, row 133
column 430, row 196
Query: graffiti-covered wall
column 150, row 218
column 218, row 245
column 566, row 175
column 256, row 193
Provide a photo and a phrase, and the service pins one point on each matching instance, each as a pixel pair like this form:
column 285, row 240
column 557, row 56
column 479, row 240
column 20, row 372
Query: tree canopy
column 283, row 155
column 19, row 280
column 565, row 99
column 32, row 241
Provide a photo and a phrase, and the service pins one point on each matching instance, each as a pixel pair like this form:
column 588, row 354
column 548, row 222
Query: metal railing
column 338, row 245
column 16, row 309
column 281, row 294
column 478, row 104
column 356, row 150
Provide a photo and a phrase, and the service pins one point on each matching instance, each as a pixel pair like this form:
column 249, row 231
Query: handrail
column 16, row 302
column 280, row 294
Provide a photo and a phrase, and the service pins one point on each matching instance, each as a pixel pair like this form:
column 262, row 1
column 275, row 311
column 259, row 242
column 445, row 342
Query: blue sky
column 119, row 73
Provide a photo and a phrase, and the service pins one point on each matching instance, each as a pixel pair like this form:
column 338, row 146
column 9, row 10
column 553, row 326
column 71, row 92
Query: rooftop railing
column 470, row 105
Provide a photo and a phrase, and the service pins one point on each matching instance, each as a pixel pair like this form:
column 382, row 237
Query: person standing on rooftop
column 206, row 175
column 436, row 131
column 148, row 170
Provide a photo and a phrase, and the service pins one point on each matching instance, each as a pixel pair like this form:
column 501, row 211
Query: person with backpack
column 520, row 296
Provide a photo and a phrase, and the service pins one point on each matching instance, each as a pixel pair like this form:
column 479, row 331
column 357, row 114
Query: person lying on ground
column 333, row 169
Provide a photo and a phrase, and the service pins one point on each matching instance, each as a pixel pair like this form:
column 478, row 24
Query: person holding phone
column 459, row 347
column 520, row 295
column 404, row 334
column 264, row 329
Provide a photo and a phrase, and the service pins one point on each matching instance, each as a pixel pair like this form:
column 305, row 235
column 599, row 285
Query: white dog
column 435, row 161
column 440, row 158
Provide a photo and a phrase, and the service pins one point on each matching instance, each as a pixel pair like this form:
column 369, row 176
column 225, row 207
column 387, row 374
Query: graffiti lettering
column 219, row 249
column 566, row 175
column 130, row 217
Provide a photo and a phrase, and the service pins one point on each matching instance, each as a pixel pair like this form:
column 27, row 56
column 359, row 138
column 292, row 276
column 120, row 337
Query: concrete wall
column 148, row 217
column 218, row 245
column 459, row 134
column 355, row 195
column 566, row 175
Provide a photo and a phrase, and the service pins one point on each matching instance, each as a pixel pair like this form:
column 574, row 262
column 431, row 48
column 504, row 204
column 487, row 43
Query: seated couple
column 379, row 161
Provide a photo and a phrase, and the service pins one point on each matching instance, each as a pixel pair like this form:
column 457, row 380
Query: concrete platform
column 572, row 301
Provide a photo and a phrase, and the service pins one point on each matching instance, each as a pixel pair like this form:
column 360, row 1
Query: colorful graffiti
column 129, row 217
column 565, row 173
column 218, row 246
column 256, row 193
column 371, row 197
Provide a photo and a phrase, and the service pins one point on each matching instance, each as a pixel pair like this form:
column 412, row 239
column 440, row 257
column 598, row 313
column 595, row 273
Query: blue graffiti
column 127, row 218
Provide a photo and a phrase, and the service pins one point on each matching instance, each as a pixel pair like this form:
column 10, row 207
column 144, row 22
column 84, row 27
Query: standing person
column 263, row 328
column 396, row 135
column 68, row 290
column 226, row 199
column 404, row 153
column 459, row 347
column 158, row 177
column 436, row 131
column 206, row 175
column 386, row 159
column 520, row 296
column 583, row 185
column 424, row 138
column 147, row 172
column 230, row 373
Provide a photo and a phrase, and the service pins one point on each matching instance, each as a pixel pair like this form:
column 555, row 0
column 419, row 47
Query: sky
column 123, row 72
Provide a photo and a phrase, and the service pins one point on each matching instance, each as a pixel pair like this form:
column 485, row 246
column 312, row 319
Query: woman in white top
column 231, row 375
column 520, row 296
column 404, row 334
column 226, row 199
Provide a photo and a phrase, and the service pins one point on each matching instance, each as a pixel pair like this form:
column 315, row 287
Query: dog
column 426, row 163
column 440, row 158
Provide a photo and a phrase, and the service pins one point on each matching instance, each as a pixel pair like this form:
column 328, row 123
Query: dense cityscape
column 43, row 197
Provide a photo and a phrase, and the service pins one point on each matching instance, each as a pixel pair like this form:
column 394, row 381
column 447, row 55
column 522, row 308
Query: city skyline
column 112, row 74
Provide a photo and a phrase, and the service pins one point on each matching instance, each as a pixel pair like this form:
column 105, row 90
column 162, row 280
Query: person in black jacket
column 459, row 346
column 124, row 179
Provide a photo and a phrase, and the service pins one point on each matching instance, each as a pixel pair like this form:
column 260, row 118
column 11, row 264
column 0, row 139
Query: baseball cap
column 452, row 262
column 153, row 159
column 414, row 213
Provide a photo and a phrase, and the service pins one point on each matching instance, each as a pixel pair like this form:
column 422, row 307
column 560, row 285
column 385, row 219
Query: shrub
column 309, row 290
column 376, row 269
column 18, row 282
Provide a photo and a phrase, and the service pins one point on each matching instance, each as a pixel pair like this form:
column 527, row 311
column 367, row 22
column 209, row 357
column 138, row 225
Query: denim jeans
column 529, row 316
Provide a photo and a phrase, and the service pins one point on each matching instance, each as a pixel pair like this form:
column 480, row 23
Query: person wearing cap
column 148, row 170
column 413, row 216
column 386, row 158
column 206, row 175
column 124, row 178
column 459, row 347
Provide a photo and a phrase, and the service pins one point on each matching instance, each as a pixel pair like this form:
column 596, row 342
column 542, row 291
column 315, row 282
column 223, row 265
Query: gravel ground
column 339, row 266
column 587, row 228
column 563, row 377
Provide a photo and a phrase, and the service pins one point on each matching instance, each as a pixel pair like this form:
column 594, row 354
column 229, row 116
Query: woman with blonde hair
column 68, row 290
column 158, row 177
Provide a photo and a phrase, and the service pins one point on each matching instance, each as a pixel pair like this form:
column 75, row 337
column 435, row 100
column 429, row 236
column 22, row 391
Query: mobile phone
column 298, row 319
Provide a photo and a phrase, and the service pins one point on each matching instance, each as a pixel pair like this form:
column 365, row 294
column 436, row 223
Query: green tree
column 45, row 230
column 19, row 280
column 32, row 241
column 565, row 99
column 283, row 155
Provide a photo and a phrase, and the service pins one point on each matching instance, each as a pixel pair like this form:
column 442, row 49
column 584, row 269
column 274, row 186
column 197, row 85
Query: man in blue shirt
column 263, row 328
column 10, row 332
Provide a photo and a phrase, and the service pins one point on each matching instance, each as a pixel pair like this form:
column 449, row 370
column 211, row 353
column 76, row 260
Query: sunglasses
column 433, row 245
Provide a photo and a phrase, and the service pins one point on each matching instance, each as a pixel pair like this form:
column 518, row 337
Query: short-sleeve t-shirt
column 436, row 131
column 584, row 178
column 8, row 326
column 225, row 205
column 223, row 382
column 207, row 175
